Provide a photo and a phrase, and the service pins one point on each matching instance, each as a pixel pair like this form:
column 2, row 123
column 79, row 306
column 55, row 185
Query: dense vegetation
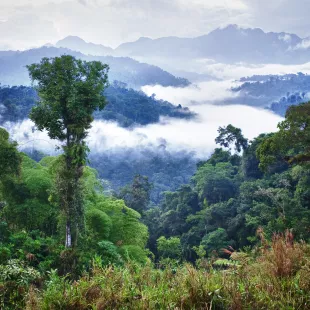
column 230, row 198
column 224, row 241
column 129, row 107
column 277, row 277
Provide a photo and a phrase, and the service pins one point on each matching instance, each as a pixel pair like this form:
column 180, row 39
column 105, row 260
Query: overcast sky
column 30, row 23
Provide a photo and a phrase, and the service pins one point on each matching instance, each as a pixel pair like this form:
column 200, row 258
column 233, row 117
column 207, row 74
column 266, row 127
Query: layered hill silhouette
column 227, row 45
column 75, row 43
column 135, row 74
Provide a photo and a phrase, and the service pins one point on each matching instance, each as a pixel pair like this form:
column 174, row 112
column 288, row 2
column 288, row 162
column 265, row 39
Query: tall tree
column 229, row 135
column 70, row 90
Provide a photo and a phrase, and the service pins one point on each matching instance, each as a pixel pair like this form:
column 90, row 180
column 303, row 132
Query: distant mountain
column 135, row 74
column 77, row 44
column 227, row 45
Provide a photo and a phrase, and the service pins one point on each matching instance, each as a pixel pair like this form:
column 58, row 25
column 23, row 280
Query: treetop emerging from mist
column 70, row 90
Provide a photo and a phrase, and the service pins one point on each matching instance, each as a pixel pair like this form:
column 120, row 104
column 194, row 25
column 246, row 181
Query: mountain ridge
column 76, row 43
column 230, row 44
column 127, row 70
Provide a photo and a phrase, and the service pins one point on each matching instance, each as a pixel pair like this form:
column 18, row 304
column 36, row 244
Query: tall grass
column 277, row 278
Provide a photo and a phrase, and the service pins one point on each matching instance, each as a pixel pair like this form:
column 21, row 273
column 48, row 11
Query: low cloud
column 203, row 69
column 2, row 110
column 176, row 135
column 195, row 135
column 285, row 37
column 236, row 71
column 210, row 91
column 305, row 44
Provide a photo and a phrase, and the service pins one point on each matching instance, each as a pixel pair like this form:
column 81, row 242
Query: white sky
column 29, row 23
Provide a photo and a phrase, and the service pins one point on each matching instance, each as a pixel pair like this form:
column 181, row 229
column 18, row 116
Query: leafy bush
column 109, row 253
column 133, row 253
column 169, row 248
column 15, row 280
column 99, row 222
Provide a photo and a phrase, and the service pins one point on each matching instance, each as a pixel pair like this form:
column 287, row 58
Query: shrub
column 99, row 222
column 134, row 253
column 15, row 279
column 109, row 253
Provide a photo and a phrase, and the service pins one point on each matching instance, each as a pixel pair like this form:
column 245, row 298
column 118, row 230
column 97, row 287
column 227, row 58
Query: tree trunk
column 68, row 235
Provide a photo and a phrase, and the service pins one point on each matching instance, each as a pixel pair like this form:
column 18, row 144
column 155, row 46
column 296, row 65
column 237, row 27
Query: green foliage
column 166, row 171
column 126, row 227
column 291, row 142
column 229, row 205
column 216, row 183
column 110, row 253
column 169, row 248
column 250, row 162
column 27, row 204
column 32, row 223
column 17, row 102
column 10, row 157
column 229, row 135
column 221, row 156
column 127, row 107
column 215, row 241
column 200, row 251
column 70, row 90
column 134, row 253
column 15, row 279
column 99, row 222
column 278, row 278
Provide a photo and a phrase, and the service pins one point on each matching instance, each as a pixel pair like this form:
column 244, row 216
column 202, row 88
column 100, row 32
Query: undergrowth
column 274, row 276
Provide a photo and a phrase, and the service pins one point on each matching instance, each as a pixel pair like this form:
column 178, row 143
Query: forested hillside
column 125, row 106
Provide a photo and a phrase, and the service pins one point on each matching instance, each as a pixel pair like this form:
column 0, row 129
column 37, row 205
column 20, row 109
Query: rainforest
column 151, row 165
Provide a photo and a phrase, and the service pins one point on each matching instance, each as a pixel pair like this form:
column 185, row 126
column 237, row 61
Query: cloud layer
column 236, row 71
column 175, row 134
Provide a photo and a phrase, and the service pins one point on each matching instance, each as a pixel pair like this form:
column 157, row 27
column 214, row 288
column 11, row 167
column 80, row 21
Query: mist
column 196, row 135
column 237, row 71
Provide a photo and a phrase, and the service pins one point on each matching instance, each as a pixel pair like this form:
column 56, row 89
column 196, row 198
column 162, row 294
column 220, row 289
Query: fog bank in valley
column 195, row 135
